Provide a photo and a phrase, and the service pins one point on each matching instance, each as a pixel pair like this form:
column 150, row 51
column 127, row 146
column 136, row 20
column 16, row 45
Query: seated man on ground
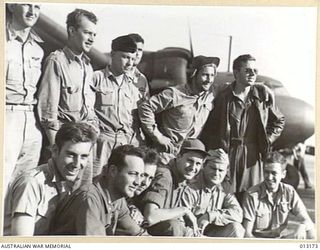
column 32, row 198
column 163, row 210
column 266, row 206
column 218, row 212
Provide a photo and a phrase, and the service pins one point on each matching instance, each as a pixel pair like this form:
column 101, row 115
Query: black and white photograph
column 159, row 121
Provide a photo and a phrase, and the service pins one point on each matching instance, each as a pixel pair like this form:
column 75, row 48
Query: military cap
column 124, row 44
column 193, row 144
column 218, row 156
column 200, row 61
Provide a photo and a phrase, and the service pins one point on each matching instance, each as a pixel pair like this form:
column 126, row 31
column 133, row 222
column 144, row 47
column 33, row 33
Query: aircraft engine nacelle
column 166, row 67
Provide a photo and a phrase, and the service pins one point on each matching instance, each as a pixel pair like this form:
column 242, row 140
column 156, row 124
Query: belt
column 18, row 107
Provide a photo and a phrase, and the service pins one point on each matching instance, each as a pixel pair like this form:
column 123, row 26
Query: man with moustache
column 164, row 211
column 218, row 212
column 101, row 207
column 139, row 79
column 65, row 94
column 266, row 206
column 23, row 138
column 32, row 198
column 244, row 124
column 181, row 111
column 116, row 101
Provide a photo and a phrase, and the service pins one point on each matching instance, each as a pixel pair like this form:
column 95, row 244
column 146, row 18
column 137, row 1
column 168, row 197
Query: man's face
column 149, row 173
column 247, row 74
column 122, row 62
column 139, row 53
column 25, row 15
column 129, row 178
column 72, row 158
column 189, row 164
column 83, row 36
column 214, row 172
column 205, row 78
column 273, row 174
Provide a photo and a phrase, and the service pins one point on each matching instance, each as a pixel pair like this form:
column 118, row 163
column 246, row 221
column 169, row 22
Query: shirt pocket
column 263, row 219
column 14, row 71
column 71, row 98
column 284, row 209
column 106, row 97
column 34, row 69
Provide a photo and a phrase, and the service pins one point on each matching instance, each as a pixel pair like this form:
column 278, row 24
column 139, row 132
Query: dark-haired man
column 23, row 138
column 101, row 207
column 266, row 206
column 244, row 124
column 116, row 101
column 182, row 110
column 65, row 94
column 32, row 198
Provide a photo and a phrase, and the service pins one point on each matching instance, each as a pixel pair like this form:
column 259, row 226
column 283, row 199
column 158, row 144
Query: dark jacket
column 216, row 133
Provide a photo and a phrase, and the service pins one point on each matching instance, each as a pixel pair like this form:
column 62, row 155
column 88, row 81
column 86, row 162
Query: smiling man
column 163, row 209
column 32, row 198
column 98, row 209
column 116, row 101
column 23, row 59
column 218, row 212
column 181, row 111
column 266, row 206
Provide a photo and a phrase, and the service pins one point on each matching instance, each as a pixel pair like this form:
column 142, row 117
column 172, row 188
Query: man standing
column 23, row 69
column 33, row 196
column 244, row 125
column 183, row 110
column 116, row 101
column 65, row 94
column 218, row 212
column 163, row 208
column 139, row 79
column 266, row 206
column 100, row 208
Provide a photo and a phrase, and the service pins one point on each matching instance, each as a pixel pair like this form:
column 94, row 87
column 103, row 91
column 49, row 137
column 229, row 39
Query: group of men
column 185, row 162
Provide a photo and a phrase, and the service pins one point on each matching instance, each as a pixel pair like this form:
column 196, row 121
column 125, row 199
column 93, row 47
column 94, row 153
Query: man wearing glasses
column 244, row 124
column 181, row 111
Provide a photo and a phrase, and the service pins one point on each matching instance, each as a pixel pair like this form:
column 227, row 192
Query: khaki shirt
column 221, row 206
column 181, row 114
column 65, row 94
column 36, row 193
column 271, row 217
column 141, row 82
column 23, row 67
column 116, row 103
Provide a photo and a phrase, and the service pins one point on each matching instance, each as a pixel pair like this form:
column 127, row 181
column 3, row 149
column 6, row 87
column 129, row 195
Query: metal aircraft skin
column 169, row 67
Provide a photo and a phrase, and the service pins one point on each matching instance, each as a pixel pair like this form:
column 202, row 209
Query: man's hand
column 203, row 222
column 166, row 143
column 300, row 233
column 190, row 216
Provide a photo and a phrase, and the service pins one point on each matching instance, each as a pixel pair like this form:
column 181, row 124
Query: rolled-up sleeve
column 149, row 108
column 49, row 95
column 160, row 189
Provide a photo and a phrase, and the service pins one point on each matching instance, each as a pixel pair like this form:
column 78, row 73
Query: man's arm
column 275, row 124
column 22, row 224
column 231, row 211
column 248, row 227
column 147, row 113
column 154, row 215
column 48, row 98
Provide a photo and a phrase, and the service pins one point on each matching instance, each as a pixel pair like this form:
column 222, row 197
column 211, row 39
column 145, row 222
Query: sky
column 283, row 39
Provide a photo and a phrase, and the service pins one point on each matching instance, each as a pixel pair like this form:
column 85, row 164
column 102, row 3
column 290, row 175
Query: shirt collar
column 73, row 57
column 252, row 94
column 264, row 193
column 102, row 187
column 31, row 37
